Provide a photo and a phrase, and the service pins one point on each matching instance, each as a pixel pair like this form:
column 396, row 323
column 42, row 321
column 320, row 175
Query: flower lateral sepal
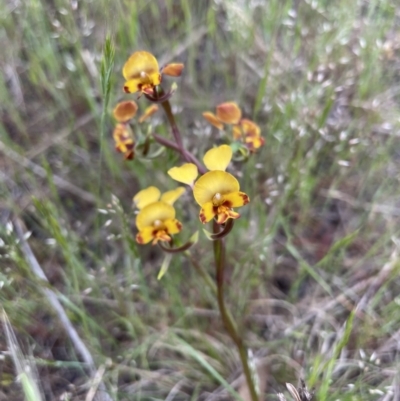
column 192, row 241
column 173, row 69
column 226, row 229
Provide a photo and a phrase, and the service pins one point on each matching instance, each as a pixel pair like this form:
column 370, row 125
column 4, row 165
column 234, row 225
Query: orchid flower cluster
column 216, row 191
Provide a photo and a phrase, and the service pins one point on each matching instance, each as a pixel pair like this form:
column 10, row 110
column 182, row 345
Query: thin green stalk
column 219, row 256
column 107, row 66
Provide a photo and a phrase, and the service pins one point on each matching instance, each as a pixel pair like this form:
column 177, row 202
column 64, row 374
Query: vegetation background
column 314, row 267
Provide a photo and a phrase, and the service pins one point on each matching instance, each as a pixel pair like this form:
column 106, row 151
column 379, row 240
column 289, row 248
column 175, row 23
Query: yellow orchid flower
column 156, row 219
column 156, row 222
column 249, row 132
column 122, row 134
column 142, row 72
column 217, row 192
column 124, row 141
column 243, row 129
column 227, row 113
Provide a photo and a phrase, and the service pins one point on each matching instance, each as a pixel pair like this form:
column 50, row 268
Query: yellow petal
column 154, row 215
column 207, row 212
column 172, row 226
column 171, row 196
column 132, row 86
column 143, row 84
column 213, row 119
column 146, row 197
column 213, row 183
column 173, row 70
column 148, row 112
column 186, row 173
column 250, row 127
column 138, row 63
column 145, row 235
column 124, row 111
column 254, row 142
column 236, row 199
column 218, row 158
column 229, row 113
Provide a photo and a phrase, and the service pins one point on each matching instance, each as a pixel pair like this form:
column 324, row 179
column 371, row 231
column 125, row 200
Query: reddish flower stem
column 219, row 257
column 175, row 130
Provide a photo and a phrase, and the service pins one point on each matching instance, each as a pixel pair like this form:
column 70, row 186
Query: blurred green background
column 318, row 242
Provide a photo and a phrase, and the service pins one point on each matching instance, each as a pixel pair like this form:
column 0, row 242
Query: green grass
column 321, row 231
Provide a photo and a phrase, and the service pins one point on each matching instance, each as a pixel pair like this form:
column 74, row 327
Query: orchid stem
column 219, row 256
column 175, row 130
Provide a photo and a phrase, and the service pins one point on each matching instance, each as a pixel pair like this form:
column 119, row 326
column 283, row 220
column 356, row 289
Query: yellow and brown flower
column 156, row 219
column 143, row 74
column 217, row 192
column 124, row 141
column 244, row 130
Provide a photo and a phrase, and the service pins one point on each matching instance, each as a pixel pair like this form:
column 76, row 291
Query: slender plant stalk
column 178, row 137
column 107, row 66
column 219, row 256
column 175, row 130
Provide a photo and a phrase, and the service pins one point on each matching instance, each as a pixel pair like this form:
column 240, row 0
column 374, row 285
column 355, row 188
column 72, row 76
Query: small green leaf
column 194, row 238
column 208, row 234
column 165, row 265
